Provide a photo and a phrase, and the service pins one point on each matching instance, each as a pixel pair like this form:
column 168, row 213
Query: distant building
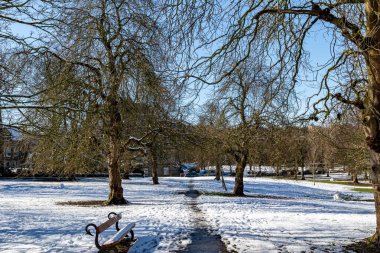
column 11, row 156
column 13, row 153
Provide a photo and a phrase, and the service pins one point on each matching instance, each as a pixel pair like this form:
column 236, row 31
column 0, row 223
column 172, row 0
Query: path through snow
column 203, row 238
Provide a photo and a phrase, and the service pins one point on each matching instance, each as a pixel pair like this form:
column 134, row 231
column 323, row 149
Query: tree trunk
column 126, row 170
column 239, row 177
column 154, row 166
column 2, row 134
column 224, row 183
column 302, row 172
column 113, row 131
column 355, row 179
column 375, row 174
column 115, row 196
column 218, row 171
column 371, row 116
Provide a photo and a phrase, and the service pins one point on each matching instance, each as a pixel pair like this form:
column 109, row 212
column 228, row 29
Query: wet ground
column 203, row 238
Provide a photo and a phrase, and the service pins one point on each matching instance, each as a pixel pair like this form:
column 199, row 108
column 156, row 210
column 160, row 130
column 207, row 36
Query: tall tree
column 114, row 41
column 250, row 97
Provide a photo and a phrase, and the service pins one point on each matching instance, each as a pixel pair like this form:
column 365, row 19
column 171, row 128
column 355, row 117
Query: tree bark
column 115, row 196
column 218, row 171
column 239, row 177
column 154, row 166
column 113, row 131
column 371, row 116
column 355, row 179
column 375, row 174
column 302, row 172
column 2, row 129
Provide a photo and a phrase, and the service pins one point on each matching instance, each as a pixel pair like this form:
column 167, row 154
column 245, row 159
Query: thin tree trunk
column 303, row 172
column 218, row 171
column 154, row 166
column 355, row 179
column 224, row 183
column 239, row 177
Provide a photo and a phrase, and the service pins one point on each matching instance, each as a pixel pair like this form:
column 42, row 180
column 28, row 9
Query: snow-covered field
column 283, row 215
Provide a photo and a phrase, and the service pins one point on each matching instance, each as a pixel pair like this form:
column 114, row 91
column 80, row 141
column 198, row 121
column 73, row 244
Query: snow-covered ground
column 283, row 215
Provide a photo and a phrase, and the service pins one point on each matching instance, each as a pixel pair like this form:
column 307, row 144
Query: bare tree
column 250, row 97
column 315, row 151
column 214, row 128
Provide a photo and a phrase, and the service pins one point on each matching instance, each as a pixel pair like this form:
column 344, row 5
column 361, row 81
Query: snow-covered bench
column 117, row 238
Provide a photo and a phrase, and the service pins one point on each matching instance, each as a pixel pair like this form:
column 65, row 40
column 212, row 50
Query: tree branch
column 357, row 103
column 348, row 29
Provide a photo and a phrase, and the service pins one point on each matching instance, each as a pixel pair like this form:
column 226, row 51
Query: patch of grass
column 369, row 190
column 340, row 183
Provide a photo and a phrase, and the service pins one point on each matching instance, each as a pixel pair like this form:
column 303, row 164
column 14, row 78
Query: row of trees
column 82, row 69
column 289, row 149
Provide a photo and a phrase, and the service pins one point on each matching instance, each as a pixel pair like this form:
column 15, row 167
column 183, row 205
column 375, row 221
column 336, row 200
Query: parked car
column 191, row 174
column 203, row 173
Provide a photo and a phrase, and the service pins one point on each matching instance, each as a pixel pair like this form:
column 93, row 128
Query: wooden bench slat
column 108, row 223
column 119, row 235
